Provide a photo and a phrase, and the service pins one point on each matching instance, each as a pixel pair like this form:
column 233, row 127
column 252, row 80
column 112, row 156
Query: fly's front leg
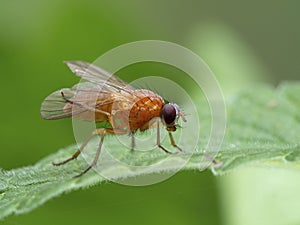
column 158, row 140
column 173, row 142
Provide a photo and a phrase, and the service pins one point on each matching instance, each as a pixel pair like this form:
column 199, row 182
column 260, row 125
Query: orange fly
column 105, row 97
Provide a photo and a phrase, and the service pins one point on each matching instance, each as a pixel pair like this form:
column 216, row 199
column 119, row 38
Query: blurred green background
column 242, row 41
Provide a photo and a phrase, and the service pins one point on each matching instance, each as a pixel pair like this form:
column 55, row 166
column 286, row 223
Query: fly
column 105, row 97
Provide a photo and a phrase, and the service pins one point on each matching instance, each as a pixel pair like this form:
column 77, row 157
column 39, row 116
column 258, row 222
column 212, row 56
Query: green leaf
column 263, row 125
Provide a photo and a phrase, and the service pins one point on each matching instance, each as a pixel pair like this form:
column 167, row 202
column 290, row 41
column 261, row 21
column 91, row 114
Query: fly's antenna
column 182, row 117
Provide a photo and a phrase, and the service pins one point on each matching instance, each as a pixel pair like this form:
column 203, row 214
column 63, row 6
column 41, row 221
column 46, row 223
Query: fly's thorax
column 130, row 114
column 147, row 107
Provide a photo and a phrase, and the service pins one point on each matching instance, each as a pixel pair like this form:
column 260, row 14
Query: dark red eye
column 169, row 113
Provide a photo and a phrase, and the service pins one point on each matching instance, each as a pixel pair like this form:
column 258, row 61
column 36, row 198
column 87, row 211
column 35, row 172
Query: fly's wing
column 101, row 89
column 82, row 100
column 97, row 75
column 55, row 106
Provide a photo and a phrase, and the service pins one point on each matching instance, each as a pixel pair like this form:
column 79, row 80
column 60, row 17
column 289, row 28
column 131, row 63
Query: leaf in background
column 263, row 125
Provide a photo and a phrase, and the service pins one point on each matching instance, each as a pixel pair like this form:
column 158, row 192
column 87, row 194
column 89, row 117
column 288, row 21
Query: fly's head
column 170, row 115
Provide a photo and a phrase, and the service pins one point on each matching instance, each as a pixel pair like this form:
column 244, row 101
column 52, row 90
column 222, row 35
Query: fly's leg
column 102, row 132
column 65, row 98
column 216, row 164
column 173, row 142
column 132, row 141
column 77, row 153
column 158, row 140
column 87, row 107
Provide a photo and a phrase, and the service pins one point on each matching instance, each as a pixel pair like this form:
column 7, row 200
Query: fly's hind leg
column 87, row 107
column 102, row 132
column 77, row 153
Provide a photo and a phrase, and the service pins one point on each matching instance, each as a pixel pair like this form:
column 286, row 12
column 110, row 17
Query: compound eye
column 169, row 113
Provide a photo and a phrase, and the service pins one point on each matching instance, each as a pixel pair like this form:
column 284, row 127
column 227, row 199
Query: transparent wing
column 97, row 75
column 53, row 107
column 86, row 97
column 102, row 89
